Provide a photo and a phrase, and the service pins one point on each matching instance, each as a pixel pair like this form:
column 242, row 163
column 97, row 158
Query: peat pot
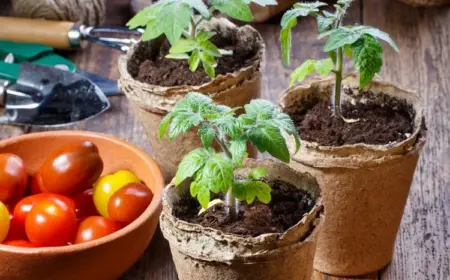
column 365, row 187
column 152, row 102
column 202, row 253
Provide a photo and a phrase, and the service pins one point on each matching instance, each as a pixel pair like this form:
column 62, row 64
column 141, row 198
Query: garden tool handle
column 56, row 34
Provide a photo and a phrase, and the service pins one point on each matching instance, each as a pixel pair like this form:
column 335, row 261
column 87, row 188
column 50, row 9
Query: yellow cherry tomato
column 4, row 222
column 107, row 185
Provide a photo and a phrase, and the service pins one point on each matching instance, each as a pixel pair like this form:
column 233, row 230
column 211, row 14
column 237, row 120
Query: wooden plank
column 423, row 36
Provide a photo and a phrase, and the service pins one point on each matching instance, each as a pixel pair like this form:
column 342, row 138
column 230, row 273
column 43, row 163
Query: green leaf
column 238, row 189
column 204, row 196
column 341, row 37
column 381, row 36
column 238, row 149
column 194, row 61
column 283, row 121
column 286, row 41
column 183, row 46
column 259, row 109
column 191, row 163
column 262, row 2
column 207, row 135
column 196, row 101
column 218, row 172
column 368, row 58
column 257, row 173
column 141, row 18
column 303, row 71
column 209, row 68
column 228, row 125
column 333, row 56
column 204, row 36
column 200, row 6
column 324, row 23
column 210, row 49
column 173, row 19
column 348, row 51
column 177, row 56
column 300, row 10
column 163, row 125
column 237, row 9
column 152, row 31
column 225, row 52
column 269, row 139
column 249, row 190
column 324, row 67
column 183, row 122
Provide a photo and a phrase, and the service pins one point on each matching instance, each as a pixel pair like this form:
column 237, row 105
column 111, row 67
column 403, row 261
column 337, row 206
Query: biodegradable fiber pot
column 202, row 253
column 365, row 187
column 152, row 102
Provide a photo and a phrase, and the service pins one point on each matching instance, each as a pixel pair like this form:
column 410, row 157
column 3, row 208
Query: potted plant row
column 184, row 48
column 235, row 218
column 361, row 138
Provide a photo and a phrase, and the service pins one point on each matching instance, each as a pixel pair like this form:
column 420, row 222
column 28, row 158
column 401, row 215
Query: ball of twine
column 88, row 12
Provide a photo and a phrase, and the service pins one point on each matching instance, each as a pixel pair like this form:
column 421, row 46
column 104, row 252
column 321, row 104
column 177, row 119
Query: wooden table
column 423, row 36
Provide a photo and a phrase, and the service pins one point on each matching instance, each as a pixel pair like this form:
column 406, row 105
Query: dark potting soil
column 287, row 208
column 377, row 124
column 161, row 71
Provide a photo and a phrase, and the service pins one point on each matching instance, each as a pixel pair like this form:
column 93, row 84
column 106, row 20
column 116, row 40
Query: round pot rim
column 419, row 131
column 152, row 210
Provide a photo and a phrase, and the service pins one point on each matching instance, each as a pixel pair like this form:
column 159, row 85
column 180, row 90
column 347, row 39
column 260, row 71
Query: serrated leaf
column 194, row 61
column 218, row 172
column 257, row 173
column 368, row 58
column 341, row 37
column 141, row 18
column 183, row 122
column 283, row 121
column 300, row 10
column 238, row 149
column 204, row 36
column 183, row 46
column 250, row 190
column 191, row 163
column 196, row 101
column 324, row 23
column 324, row 66
column 381, row 35
column 207, row 135
column 173, row 19
column 259, row 109
column 178, row 56
column 163, row 125
column 269, row 139
column 152, row 31
column 210, row 49
column 200, row 6
column 237, row 9
column 228, row 125
column 286, row 41
column 306, row 69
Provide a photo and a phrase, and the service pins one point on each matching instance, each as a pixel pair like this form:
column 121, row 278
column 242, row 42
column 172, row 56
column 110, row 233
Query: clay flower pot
column 205, row 253
column 106, row 258
column 365, row 187
column 152, row 102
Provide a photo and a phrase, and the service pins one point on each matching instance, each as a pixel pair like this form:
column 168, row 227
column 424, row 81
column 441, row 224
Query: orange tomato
column 71, row 169
column 20, row 243
column 95, row 227
column 13, row 178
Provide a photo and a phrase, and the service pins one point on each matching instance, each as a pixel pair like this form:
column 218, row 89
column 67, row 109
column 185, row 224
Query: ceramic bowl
column 103, row 259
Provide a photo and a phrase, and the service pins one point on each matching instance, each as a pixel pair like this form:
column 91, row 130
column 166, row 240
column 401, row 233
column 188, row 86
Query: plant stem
column 338, row 83
column 193, row 28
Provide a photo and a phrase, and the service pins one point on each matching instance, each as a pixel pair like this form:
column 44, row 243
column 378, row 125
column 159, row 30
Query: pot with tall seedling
column 184, row 48
column 361, row 138
column 227, row 217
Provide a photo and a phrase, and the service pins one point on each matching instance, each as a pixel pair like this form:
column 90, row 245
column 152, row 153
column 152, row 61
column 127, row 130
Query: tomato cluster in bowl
column 66, row 201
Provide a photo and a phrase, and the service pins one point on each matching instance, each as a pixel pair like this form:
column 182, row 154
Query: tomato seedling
column 214, row 172
column 358, row 42
column 176, row 19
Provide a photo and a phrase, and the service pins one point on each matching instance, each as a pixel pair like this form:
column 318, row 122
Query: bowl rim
column 154, row 207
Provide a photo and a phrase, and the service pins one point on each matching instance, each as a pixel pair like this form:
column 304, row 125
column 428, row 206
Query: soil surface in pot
column 175, row 72
column 377, row 124
column 287, row 208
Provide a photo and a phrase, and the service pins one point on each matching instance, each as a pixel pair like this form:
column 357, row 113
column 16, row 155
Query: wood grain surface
column 423, row 35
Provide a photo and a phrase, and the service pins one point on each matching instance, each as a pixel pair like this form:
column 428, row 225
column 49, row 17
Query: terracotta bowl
column 103, row 259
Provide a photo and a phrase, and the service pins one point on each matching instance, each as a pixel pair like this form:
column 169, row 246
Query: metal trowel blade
column 57, row 97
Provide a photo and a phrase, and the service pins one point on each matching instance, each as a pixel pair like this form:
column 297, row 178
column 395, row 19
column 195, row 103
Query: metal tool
column 65, row 35
column 49, row 97
column 13, row 53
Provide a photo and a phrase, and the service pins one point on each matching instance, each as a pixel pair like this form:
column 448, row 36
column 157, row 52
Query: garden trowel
column 49, row 97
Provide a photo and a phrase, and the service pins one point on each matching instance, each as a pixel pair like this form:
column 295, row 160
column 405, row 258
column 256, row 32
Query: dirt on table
column 162, row 71
column 377, row 124
column 287, row 208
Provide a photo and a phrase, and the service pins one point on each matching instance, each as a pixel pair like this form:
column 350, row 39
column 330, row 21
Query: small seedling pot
column 365, row 187
column 152, row 102
column 205, row 253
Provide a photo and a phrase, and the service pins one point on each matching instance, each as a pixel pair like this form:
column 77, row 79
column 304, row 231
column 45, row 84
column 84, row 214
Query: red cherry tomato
column 84, row 204
column 16, row 229
column 20, row 243
column 23, row 208
column 71, row 169
column 34, row 185
column 128, row 203
column 95, row 227
column 13, row 178
column 51, row 222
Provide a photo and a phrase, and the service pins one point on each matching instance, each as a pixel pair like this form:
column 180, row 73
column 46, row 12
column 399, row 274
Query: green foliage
column 322, row 67
column 261, row 125
column 178, row 22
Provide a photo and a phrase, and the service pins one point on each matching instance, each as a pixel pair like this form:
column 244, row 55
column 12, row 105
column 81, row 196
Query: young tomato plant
column 214, row 172
column 176, row 19
column 358, row 42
